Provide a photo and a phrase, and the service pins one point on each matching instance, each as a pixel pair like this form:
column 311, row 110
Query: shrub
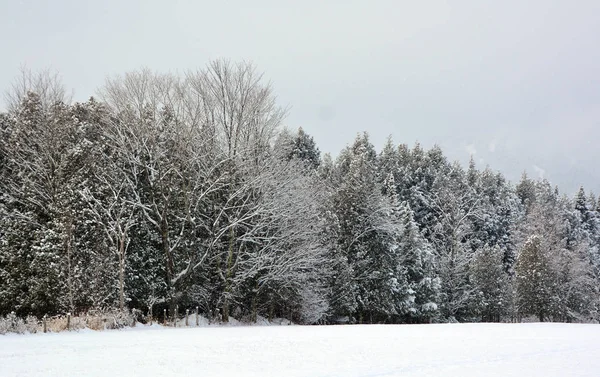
column 12, row 323
column 32, row 324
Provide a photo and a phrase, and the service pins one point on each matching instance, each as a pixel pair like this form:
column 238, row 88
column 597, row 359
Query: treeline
column 186, row 190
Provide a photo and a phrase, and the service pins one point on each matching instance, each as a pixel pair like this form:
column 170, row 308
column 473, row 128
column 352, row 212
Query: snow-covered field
column 464, row 350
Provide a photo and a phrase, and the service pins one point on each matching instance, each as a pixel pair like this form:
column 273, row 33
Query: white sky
column 515, row 82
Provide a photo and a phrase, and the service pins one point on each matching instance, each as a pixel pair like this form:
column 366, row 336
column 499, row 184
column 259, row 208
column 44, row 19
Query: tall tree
column 492, row 298
column 304, row 148
column 455, row 206
column 534, row 279
column 418, row 261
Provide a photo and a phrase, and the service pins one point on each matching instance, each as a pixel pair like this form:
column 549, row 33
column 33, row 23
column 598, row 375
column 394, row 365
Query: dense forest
column 187, row 190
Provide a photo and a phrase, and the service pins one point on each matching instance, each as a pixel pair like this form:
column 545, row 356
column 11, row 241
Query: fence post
column 196, row 316
column 165, row 317
column 187, row 314
column 68, row 321
column 44, row 322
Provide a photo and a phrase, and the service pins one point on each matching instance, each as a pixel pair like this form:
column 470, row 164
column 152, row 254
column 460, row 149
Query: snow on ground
column 463, row 350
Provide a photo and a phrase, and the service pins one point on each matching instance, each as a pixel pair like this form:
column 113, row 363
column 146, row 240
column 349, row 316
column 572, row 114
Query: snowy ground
column 463, row 350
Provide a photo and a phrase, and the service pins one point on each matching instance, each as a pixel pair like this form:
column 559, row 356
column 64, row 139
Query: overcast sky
column 516, row 83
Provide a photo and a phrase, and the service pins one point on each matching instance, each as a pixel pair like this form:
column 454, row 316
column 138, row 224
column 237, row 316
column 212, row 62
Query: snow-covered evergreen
column 187, row 192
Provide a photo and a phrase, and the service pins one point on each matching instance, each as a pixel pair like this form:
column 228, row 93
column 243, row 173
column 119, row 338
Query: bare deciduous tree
column 47, row 84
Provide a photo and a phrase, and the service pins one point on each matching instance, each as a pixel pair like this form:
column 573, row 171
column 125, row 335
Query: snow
column 464, row 350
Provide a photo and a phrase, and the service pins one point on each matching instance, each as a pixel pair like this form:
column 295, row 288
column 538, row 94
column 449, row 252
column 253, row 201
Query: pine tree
column 418, row 263
column 492, row 285
column 473, row 176
column 388, row 163
column 526, row 191
column 500, row 213
column 369, row 234
column 454, row 206
column 305, row 149
column 342, row 286
column 534, row 280
column 38, row 181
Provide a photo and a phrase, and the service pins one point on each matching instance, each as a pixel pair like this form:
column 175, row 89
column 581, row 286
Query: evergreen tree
column 369, row 235
column 342, row 286
column 492, row 285
column 586, row 221
column 500, row 214
column 534, row 280
column 455, row 206
column 418, row 263
column 305, row 149
column 388, row 164
column 526, row 191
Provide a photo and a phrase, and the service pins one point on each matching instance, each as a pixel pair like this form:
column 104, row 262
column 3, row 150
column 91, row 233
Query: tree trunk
column 68, row 247
column 271, row 310
column 255, row 303
column 121, row 273
column 228, row 274
column 225, row 316
column 164, row 235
